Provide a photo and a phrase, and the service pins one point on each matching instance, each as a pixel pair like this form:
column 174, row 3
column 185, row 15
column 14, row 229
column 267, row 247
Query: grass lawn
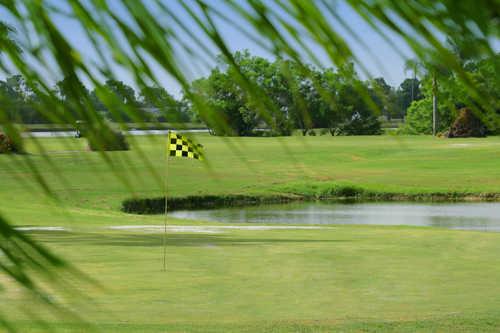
column 82, row 180
column 342, row 278
column 347, row 278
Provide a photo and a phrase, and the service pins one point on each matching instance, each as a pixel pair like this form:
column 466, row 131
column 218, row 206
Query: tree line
column 252, row 93
column 24, row 105
column 293, row 96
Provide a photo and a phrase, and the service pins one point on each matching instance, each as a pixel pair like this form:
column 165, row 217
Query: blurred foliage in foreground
column 148, row 39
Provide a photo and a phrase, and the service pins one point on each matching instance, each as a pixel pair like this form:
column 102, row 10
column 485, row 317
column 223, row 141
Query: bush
column 324, row 131
column 9, row 146
column 419, row 117
column 108, row 140
column 467, row 125
column 311, row 132
column 341, row 191
column 359, row 125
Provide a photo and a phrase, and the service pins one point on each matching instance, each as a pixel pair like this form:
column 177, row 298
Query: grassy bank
column 292, row 193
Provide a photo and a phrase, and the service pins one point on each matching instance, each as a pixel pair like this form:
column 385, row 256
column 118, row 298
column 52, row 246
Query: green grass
column 347, row 278
column 255, row 166
column 389, row 278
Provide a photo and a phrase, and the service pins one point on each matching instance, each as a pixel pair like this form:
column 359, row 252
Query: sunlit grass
column 343, row 277
column 261, row 166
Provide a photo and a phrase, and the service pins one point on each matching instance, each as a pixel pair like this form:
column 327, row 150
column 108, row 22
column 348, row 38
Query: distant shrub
column 108, row 141
column 360, row 125
column 311, row 132
column 324, row 131
column 349, row 191
column 419, row 118
column 9, row 146
column 341, row 191
column 467, row 124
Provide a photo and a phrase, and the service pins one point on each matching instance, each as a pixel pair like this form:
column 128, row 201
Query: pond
column 468, row 216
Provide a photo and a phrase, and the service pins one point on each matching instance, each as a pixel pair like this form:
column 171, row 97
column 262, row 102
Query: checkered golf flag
column 180, row 146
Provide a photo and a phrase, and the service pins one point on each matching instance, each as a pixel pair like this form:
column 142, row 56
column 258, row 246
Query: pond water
column 468, row 216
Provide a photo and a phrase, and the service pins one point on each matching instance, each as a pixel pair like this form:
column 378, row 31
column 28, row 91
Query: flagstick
column 165, row 185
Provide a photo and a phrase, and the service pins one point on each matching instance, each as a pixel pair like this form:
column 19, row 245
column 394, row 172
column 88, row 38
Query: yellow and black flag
column 181, row 146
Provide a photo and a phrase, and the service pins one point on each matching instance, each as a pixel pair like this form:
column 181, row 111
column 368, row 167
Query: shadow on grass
column 487, row 322
column 154, row 240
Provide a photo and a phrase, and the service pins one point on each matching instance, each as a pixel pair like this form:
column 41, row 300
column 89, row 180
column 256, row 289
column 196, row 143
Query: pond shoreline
column 347, row 194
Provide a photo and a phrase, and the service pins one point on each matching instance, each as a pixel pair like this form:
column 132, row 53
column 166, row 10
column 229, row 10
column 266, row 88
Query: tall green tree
column 168, row 109
column 408, row 91
column 74, row 96
column 384, row 96
column 118, row 101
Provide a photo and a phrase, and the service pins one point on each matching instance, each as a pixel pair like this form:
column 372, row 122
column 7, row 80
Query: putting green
column 344, row 277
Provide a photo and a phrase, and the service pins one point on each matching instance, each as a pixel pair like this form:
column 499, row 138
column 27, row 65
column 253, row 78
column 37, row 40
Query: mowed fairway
column 344, row 278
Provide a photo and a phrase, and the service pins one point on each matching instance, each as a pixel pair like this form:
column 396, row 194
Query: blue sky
column 379, row 58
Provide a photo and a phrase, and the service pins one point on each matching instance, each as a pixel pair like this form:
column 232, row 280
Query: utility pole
column 434, row 104
column 413, row 82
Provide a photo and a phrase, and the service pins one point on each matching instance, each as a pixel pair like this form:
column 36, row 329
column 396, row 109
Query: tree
column 74, row 96
column 454, row 95
column 358, row 118
column 118, row 101
column 295, row 95
column 123, row 92
column 407, row 92
column 270, row 101
column 225, row 111
column 71, row 88
column 432, row 71
column 20, row 101
column 241, row 111
column 384, row 97
column 169, row 109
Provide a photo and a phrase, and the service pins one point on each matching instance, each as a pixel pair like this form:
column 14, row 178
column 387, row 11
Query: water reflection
column 470, row 216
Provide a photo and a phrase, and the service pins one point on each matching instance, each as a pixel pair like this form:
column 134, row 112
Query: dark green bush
column 108, row 141
column 341, row 191
column 360, row 125
column 348, row 191
column 9, row 146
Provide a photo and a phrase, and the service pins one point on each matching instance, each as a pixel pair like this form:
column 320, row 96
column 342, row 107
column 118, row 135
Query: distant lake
column 467, row 216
